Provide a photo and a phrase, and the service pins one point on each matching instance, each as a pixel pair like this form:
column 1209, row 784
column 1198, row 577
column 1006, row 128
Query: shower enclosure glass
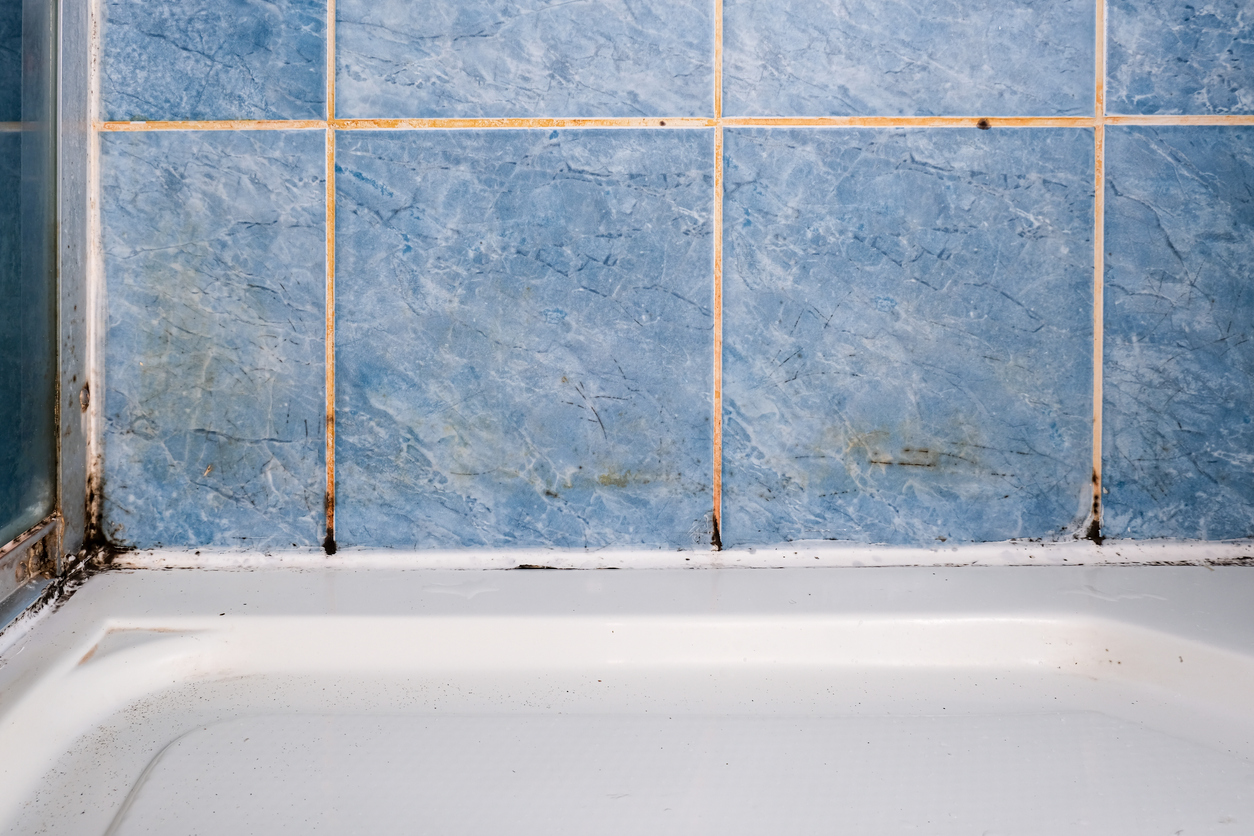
column 28, row 353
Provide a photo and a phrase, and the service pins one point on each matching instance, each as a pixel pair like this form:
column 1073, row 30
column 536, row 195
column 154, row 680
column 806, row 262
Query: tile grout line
column 716, row 435
column 679, row 122
column 1099, row 262
column 329, row 507
column 718, row 60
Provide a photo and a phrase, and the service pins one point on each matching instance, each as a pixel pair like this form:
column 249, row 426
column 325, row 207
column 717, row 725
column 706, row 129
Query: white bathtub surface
column 1115, row 700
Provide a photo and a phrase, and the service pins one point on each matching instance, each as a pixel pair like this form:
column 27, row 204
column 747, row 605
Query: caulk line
column 1099, row 262
column 329, row 542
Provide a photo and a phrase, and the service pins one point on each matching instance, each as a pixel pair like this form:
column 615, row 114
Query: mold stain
column 1094, row 531
column 621, row 480
column 328, row 544
column 885, row 449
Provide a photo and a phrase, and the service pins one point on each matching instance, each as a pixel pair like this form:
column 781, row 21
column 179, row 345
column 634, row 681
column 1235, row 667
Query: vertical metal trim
column 73, row 119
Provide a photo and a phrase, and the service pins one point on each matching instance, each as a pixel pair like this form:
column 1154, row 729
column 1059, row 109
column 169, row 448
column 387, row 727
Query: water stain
column 621, row 479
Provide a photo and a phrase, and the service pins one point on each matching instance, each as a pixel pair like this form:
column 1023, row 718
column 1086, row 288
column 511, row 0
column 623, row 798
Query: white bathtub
column 1042, row 700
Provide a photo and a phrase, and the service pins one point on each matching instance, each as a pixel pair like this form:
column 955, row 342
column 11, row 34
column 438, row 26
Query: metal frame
column 73, row 248
column 47, row 549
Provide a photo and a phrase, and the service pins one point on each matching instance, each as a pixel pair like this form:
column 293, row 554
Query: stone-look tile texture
column 1179, row 333
column 524, row 58
column 213, row 59
column 903, row 57
column 524, row 338
column 908, row 334
column 1180, row 56
column 214, row 391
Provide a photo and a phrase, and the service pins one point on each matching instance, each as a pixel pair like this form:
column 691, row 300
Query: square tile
column 1179, row 57
column 524, row 338
column 213, row 59
column 907, row 334
column 214, row 258
column 899, row 58
column 1178, row 443
column 524, row 58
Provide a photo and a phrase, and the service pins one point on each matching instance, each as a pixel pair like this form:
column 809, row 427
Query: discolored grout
column 216, row 125
column 717, row 434
column 1216, row 120
column 525, row 122
column 909, row 121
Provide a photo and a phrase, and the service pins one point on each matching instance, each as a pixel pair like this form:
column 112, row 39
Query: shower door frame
column 49, row 548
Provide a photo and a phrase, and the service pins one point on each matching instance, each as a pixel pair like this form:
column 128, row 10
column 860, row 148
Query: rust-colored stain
column 117, row 631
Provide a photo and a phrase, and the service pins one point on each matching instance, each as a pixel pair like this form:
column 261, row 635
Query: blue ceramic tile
column 1180, row 56
column 896, row 57
column 1179, row 333
column 520, row 58
column 524, row 338
column 214, row 385
column 214, row 59
column 908, row 335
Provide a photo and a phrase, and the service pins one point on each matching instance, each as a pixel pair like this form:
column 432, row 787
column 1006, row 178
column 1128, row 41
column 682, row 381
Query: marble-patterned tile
column 524, row 338
column 214, row 257
column 1178, row 384
column 524, row 58
column 908, row 58
column 1180, row 57
column 908, row 334
column 213, row 59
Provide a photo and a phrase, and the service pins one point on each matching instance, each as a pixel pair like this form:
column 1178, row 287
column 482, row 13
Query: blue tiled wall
column 526, row 316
